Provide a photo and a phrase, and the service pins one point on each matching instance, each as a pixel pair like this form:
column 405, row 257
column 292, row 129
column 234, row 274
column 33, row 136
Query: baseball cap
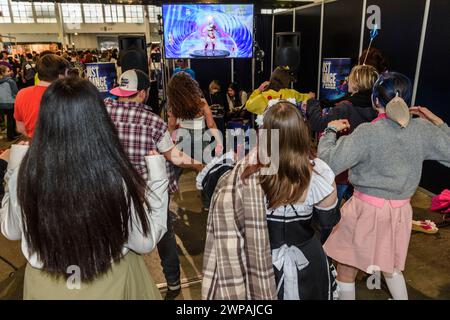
column 130, row 83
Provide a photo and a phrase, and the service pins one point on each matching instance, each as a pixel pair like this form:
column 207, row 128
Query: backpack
column 29, row 73
column 7, row 95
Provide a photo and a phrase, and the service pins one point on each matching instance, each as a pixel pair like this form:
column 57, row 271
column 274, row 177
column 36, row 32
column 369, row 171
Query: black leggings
column 10, row 123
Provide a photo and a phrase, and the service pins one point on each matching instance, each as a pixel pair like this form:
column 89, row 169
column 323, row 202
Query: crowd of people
column 22, row 68
column 88, row 190
column 20, row 71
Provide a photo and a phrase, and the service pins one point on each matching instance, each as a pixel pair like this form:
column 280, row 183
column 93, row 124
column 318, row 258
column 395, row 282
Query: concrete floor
column 426, row 272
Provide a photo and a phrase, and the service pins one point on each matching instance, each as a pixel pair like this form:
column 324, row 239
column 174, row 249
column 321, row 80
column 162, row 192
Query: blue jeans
column 344, row 191
column 168, row 252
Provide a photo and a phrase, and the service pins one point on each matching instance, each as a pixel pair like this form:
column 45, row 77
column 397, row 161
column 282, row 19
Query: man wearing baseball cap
column 141, row 131
column 131, row 83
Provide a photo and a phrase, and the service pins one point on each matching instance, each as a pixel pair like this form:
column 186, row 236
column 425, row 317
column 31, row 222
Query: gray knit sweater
column 385, row 160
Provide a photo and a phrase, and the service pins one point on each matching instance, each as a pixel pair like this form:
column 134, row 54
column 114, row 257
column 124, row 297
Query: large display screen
column 208, row 30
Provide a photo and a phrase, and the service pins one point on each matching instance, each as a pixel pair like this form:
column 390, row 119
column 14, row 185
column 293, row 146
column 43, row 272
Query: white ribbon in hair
column 260, row 118
column 289, row 260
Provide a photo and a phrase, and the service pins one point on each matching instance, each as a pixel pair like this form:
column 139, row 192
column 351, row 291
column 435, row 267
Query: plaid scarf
column 237, row 263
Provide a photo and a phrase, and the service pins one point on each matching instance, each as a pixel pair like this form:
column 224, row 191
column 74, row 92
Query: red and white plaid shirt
column 140, row 131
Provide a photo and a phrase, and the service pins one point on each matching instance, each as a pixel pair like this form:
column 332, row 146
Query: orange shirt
column 26, row 106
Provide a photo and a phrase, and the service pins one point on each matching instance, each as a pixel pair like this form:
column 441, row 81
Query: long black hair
column 237, row 94
column 76, row 185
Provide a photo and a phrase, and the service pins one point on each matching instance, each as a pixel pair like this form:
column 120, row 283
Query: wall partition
column 207, row 70
column 433, row 84
column 433, row 87
column 263, row 36
column 282, row 22
column 399, row 37
column 342, row 29
column 308, row 22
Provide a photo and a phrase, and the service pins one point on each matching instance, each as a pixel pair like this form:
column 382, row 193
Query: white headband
column 260, row 118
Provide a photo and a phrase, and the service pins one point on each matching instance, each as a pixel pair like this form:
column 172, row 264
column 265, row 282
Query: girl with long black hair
column 82, row 212
column 236, row 99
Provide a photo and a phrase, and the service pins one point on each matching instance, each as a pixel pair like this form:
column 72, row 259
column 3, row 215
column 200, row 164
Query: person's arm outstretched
column 346, row 152
column 319, row 121
column 157, row 197
column 256, row 103
column 438, row 146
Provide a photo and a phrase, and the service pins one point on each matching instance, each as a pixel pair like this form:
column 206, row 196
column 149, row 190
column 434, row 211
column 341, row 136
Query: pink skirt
column 371, row 238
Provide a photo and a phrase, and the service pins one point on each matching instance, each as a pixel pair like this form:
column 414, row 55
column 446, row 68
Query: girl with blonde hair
column 357, row 109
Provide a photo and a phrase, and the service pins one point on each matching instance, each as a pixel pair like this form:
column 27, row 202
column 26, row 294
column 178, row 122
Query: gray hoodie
column 8, row 92
column 385, row 160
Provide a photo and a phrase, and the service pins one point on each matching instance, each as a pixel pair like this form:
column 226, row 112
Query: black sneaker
column 174, row 286
column 12, row 138
column 173, row 216
column 173, row 290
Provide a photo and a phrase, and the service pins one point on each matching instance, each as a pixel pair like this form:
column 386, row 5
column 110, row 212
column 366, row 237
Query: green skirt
column 127, row 279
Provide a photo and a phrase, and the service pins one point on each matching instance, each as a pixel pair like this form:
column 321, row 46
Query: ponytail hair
column 393, row 92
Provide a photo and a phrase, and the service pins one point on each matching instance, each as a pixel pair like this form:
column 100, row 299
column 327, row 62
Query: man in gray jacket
column 8, row 92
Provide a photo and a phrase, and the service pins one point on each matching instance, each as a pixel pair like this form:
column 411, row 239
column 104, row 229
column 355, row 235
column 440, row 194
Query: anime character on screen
column 211, row 35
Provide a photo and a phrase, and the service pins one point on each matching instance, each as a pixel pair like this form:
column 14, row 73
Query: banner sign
column 103, row 76
column 335, row 72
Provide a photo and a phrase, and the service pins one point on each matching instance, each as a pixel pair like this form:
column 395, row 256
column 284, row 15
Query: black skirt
column 316, row 280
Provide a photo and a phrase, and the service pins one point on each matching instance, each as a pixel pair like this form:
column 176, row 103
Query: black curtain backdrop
column 283, row 23
column 307, row 22
column 263, row 36
column 342, row 29
column 399, row 37
column 433, row 89
column 207, row 70
column 243, row 73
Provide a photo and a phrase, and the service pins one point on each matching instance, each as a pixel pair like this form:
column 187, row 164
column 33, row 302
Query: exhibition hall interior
column 225, row 150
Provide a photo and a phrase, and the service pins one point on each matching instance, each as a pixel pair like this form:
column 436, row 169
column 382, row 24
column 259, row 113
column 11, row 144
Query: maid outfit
column 302, row 269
